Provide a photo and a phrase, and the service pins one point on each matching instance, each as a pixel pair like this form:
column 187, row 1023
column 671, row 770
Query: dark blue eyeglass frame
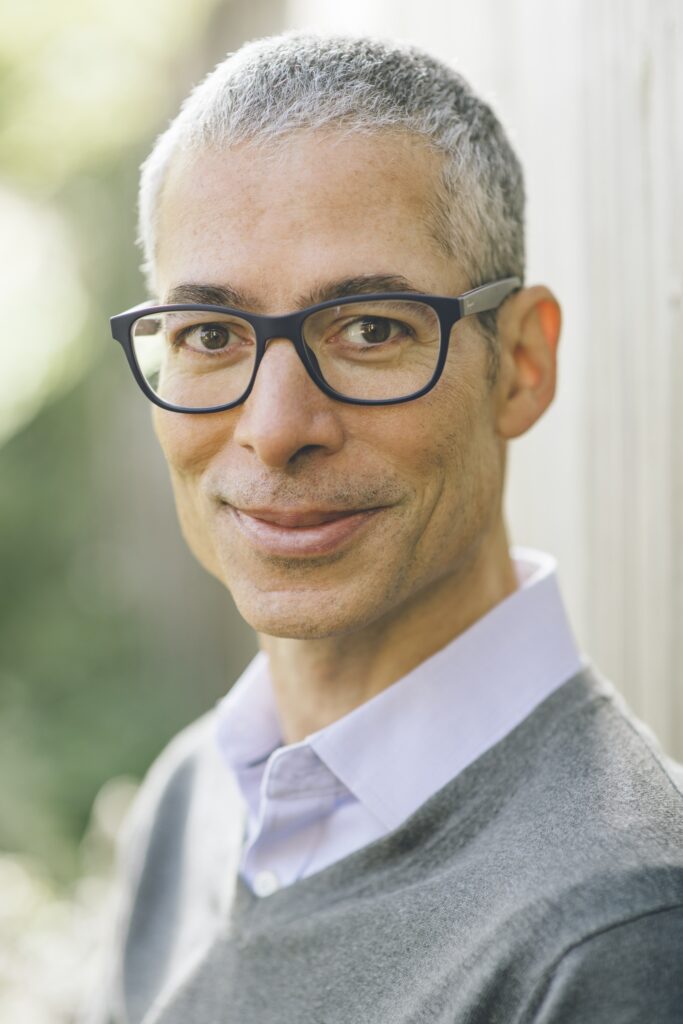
column 449, row 310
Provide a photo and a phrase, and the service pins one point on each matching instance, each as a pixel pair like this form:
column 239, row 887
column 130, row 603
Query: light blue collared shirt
column 313, row 802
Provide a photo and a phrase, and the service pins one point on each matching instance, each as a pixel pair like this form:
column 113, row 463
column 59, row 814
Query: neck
column 315, row 682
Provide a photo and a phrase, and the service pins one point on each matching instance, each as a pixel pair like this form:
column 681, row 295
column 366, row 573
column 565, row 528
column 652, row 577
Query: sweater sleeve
column 627, row 974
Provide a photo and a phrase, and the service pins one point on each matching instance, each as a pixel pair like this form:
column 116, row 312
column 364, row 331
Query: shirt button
column 266, row 883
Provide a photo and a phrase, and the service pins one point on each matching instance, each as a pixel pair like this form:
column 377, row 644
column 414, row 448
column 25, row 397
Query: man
column 420, row 802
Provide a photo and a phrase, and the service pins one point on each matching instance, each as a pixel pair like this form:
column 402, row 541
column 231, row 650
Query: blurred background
column 111, row 638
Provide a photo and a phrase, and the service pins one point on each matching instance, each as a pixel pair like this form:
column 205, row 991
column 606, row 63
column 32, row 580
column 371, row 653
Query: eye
column 207, row 337
column 373, row 330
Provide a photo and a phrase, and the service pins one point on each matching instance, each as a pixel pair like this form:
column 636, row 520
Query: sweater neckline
column 459, row 804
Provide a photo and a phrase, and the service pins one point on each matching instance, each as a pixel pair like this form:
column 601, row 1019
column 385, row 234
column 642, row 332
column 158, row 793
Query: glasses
column 379, row 349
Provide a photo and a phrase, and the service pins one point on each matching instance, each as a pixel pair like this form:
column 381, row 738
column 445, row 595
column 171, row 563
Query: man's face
column 260, row 488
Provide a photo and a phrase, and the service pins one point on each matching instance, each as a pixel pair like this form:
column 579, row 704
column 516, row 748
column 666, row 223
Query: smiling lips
column 292, row 532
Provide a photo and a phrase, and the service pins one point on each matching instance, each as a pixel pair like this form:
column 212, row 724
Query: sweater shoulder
column 187, row 794
column 577, row 808
column 611, row 764
column 593, row 822
column 184, row 823
column 177, row 761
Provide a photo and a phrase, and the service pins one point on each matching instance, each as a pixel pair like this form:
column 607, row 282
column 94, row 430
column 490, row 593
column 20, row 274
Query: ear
column 529, row 332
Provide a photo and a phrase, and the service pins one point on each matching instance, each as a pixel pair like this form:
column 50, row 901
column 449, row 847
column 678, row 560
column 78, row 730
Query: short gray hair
column 273, row 86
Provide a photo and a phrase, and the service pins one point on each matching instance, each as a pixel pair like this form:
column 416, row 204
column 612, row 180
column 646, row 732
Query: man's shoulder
column 584, row 743
column 185, row 749
column 606, row 863
column 595, row 815
column 578, row 808
column 177, row 852
column 180, row 788
column 601, row 777
column 611, row 763
column 172, row 771
column 563, row 839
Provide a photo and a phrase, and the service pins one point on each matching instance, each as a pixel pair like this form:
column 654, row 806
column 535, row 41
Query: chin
column 299, row 615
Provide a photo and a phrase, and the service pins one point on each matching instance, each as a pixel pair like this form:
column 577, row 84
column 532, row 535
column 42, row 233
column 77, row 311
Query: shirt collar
column 248, row 725
column 397, row 749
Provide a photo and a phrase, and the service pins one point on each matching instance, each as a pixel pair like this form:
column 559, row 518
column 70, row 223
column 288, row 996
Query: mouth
column 289, row 532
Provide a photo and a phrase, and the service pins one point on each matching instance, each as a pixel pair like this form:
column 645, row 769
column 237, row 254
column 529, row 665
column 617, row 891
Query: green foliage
column 87, row 687
column 110, row 637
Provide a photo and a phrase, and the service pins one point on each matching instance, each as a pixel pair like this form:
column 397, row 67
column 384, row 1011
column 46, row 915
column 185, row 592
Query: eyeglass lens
column 374, row 349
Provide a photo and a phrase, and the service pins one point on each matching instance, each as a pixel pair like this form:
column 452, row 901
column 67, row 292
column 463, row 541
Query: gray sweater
column 544, row 883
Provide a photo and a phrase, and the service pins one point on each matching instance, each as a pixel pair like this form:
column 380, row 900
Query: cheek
column 189, row 441
column 449, row 423
column 462, row 449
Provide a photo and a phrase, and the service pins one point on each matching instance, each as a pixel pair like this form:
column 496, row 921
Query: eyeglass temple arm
column 488, row 296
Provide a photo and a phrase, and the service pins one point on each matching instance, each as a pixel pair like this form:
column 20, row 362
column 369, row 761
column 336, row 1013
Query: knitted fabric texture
column 542, row 884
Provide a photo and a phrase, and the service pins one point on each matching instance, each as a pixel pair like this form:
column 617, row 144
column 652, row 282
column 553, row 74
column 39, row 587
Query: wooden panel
column 632, row 176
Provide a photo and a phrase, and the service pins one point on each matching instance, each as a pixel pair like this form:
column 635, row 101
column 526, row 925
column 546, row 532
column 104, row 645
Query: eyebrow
column 224, row 295
column 209, row 295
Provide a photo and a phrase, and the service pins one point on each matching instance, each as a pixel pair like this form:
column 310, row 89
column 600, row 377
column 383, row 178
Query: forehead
column 278, row 218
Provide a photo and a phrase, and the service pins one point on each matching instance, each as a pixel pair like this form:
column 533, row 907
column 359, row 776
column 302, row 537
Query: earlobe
column 529, row 334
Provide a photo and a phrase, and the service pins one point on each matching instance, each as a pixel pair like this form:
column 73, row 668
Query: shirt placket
column 298, row 793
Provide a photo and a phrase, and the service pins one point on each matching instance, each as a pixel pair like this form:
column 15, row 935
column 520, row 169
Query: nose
column 286, row 414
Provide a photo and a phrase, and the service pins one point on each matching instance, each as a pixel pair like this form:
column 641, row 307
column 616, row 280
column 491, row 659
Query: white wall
column 591, row 93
